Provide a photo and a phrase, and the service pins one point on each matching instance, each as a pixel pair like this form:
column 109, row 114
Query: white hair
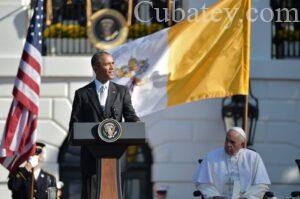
column 240, row 131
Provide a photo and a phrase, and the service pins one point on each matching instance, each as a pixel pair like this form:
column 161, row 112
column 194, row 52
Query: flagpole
column 32, row 183
column 88, row 12
column 170, row 6
column 129, row 15
column 49, row 16
column 247, row 25
column 245, row 121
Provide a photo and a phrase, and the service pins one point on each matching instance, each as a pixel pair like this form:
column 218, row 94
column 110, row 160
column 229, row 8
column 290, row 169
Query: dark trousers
column 86, row 186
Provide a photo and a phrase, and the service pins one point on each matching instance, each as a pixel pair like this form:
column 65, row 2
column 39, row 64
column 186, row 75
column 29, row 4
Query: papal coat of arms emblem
column 109, row 130
column 135, row 70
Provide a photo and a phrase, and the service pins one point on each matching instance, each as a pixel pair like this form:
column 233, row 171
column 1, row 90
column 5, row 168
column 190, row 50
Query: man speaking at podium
column 95, row 102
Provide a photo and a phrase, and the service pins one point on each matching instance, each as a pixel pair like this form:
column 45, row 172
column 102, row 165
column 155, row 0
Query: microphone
column 113, row 112
column 105, row 115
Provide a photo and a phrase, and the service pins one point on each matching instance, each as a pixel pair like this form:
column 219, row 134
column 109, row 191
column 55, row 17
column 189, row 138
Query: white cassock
column 242, row 175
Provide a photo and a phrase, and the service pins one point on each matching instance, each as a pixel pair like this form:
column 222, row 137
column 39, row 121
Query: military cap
column 39, row 148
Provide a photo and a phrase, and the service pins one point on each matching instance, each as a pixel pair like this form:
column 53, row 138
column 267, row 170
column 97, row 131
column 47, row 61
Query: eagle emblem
column 109, row 130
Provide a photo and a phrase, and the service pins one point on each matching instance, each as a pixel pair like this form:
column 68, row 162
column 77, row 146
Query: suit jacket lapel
column 112, row 93
column 39, row 180
column 94, row 99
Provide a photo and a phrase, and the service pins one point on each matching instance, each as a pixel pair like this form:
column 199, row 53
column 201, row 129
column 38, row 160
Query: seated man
column 232, row 171
column 20, row 181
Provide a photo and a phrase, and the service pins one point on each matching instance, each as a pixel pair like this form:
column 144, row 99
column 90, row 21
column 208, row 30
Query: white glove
column 59, row 184
column 33, row 160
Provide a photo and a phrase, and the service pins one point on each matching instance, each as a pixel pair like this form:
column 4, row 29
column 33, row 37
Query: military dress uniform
column 20, row 184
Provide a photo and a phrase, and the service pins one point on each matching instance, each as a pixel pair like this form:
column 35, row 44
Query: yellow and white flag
column 203, row 57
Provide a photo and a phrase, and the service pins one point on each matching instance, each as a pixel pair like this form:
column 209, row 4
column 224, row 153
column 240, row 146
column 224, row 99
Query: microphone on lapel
column 113, row 112
column 105, row 115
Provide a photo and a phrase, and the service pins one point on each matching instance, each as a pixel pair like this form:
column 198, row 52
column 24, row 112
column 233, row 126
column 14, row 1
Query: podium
column 107, row 168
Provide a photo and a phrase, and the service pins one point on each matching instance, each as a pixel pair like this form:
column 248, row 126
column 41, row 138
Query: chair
column 268, row 194
column 198, row 193
column 295, row 194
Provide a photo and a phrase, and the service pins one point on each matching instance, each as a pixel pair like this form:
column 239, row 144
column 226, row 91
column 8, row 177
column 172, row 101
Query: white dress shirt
column 36, row 173
column 102, row 96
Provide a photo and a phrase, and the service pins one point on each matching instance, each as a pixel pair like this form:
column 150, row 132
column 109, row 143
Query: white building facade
column 178, row 136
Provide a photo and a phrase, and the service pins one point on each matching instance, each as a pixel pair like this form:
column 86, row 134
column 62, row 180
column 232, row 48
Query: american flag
column 19, row 136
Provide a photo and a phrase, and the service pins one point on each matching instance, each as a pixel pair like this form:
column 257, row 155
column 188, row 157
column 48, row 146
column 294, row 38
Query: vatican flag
column 205, row 56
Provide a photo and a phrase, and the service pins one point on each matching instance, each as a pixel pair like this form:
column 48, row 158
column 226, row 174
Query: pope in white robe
column 232, row 171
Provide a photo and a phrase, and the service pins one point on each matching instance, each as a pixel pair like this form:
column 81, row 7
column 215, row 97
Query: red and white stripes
column 20, row 130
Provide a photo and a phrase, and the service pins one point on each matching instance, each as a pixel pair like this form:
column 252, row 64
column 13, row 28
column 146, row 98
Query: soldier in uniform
column 20, row 181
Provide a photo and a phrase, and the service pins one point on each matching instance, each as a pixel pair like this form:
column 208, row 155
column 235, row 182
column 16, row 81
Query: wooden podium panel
column 109, row 178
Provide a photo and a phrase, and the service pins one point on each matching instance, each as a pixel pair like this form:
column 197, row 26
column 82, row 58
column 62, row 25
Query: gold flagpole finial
column 49, row 14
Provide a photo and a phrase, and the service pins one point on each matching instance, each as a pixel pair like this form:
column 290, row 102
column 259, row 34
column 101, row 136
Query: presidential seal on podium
column 107, row 28
column 109, row 130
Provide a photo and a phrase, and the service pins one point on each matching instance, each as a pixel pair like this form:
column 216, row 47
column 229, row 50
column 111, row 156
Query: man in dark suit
column 95, row 102
column 20, row 181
